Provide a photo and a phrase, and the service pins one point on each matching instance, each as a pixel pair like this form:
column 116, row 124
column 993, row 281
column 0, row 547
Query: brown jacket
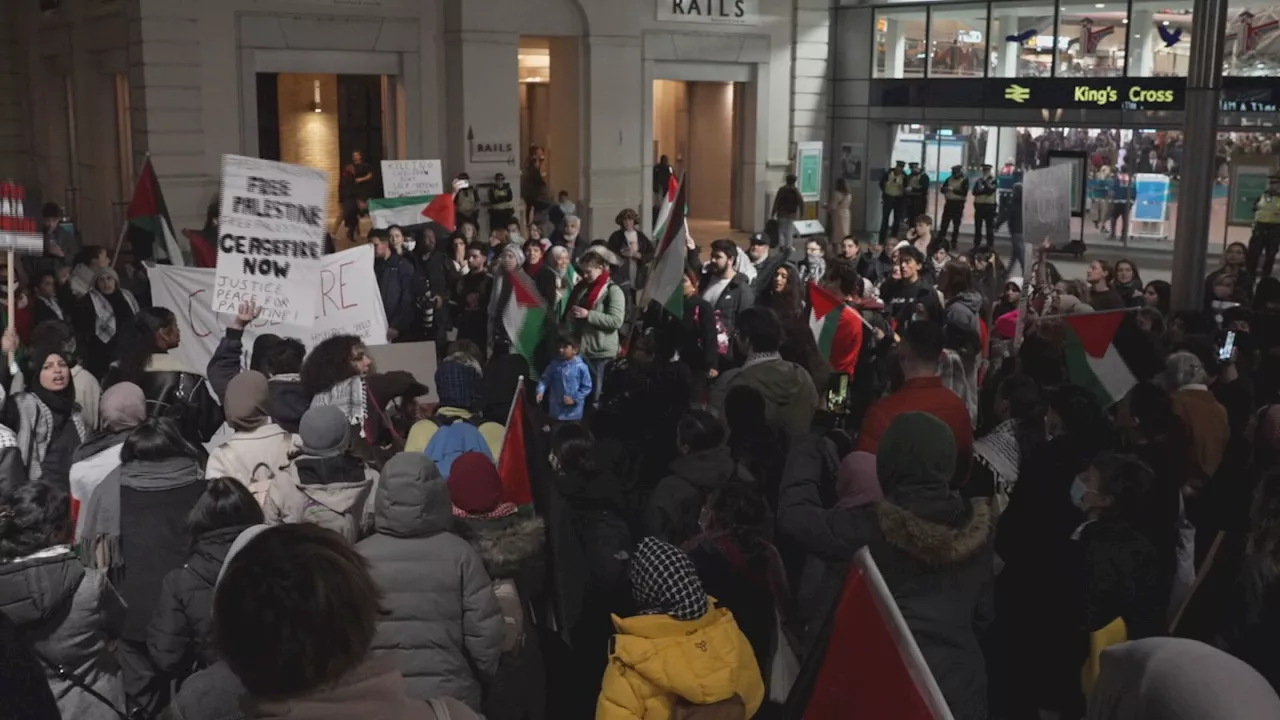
column 373, row 691
column 1206, row 423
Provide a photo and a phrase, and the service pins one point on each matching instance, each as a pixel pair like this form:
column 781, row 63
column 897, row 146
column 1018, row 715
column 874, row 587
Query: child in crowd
column 569, row 381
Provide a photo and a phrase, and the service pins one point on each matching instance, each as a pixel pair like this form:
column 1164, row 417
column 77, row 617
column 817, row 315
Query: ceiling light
column 1100, row 5
column 1125, row 21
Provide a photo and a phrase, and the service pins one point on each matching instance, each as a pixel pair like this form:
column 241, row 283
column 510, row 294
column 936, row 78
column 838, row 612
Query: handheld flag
column 149, row 224
column 837, row 328
column 1107, row 354
column 402, row 211
column 665, row 282
column 871, row 666
column 525, row 316
column 441, row 210
column 513, row 463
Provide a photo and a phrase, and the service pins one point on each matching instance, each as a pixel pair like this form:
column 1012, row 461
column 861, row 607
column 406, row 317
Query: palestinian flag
column 1107, row 354
column 865, row 663
column 150, row 229
column 665, row 282
column 416, row 210
column 837, row 328
column 525, row 316
column 513, row 462
column 664, row 209
column 571, row 277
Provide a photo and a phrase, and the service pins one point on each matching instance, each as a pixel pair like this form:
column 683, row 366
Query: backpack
column 455, row 436
column 350, row 524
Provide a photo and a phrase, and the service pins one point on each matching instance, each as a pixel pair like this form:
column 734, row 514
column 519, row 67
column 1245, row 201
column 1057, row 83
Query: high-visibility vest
column 913, row 182
column 1268, row 209
column 502, row 198
column 951, row 188
column 893, row 184
column 988, row 195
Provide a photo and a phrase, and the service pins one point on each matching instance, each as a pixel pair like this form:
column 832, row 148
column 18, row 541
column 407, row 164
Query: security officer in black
column 955, row 192
column 893, row 188
column 502, row 202
column 917, row 193
column 984, row 207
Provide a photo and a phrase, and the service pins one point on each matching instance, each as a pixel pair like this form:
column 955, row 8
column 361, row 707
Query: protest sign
column 271, row 232
column 411, row 178
column 344, row 295
column 1046, row 206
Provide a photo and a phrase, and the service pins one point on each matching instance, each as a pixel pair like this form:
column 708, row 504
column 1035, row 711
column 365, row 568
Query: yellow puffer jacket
column 657, row 659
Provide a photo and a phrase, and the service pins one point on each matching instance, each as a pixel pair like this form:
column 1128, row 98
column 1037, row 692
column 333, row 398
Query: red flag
column 440, row 210
column 872, row 667
column 513, row 466
column 203, row 251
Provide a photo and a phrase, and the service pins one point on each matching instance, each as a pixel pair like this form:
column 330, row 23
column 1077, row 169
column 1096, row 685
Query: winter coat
column 790, row 398
column 599, row 330
column 70, row 617
column 737, row 296
column 566, row 377
column 333, row 493
column 375, row 690
column 442, row 623
column 92, row 462
column 255, row 458
column 396, row 285
column 22, row 681
column 656, row 661
column 633, row 272
column 512, row 549
column 175, row 391
column 767, row 270
column 677, row 500
column 940, row 575
column 211, row 694
column 961, row 325
column 179, row 637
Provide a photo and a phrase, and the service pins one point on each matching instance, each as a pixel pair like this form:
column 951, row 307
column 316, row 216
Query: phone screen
column 1228, row 346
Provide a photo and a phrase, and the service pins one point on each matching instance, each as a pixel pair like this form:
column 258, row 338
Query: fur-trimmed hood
column 934, row 544
column 505, row 544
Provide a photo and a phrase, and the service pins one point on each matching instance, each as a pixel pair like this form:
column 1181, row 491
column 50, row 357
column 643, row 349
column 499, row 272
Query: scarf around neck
column 98, row 532
column 53, row 305
column 589, row 298
column 104, row 326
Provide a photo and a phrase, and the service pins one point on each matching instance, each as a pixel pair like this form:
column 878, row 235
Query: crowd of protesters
column 307, row 536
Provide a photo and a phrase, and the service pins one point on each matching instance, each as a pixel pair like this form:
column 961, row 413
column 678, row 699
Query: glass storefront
column 1114, row 158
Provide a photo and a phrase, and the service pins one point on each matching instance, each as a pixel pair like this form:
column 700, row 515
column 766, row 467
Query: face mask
column 1078, row 490
column 410, row 245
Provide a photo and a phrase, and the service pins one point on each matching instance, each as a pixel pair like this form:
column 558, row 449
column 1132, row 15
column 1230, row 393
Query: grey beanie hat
column 240, row 542
column 324, row 431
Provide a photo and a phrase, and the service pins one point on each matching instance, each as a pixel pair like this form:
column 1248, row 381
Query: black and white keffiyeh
column 55, row 306
column 998, row 451
column 349, row 396
column 104, row 326
column 664, row 581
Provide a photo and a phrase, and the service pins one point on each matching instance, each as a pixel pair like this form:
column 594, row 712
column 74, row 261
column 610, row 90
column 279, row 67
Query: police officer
column 893, row 185
column 917, row 193
column 955, row 191
column 984, row 207
column 1266, row 229
column 502, row 202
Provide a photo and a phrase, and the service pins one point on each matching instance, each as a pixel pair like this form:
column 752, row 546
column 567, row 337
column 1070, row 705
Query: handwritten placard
column 270, row 238
column 411, row 178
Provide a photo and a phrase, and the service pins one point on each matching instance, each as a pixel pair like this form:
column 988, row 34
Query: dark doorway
column 360, row 121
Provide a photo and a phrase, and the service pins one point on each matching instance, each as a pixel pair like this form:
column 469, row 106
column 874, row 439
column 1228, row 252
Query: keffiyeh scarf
column 350, row 397
column 664, row 582
column 54, row 306
column 998, row 452
column 36, row 430
column 104, row 316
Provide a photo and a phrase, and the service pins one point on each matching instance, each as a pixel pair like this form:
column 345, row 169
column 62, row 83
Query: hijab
column 1178, row 679
column 61, row 402
column 915, row 463
column 248, row 398
column 123, row 407
column 856, row 481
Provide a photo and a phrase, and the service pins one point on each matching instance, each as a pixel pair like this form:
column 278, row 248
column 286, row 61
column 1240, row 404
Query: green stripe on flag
column 830, row 324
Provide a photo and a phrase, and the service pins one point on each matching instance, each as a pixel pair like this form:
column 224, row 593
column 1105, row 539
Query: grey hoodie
column 441, row 618
column 962, row 328
column 790, row 397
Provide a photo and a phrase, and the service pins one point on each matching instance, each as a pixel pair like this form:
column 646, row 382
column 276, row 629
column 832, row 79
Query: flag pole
column 1040, row 318
column 511, row 411
column 124, row 230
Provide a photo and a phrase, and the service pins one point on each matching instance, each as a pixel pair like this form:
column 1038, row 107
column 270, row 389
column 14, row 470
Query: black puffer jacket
column 178, row 637
column 677, row 501
column 175, row 391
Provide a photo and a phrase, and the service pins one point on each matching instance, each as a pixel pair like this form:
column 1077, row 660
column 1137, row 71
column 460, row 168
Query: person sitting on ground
column 923, row 391
column 680, row 651
column 179, row 638
column 297, row 613
column 789, row 393
column 442, row 625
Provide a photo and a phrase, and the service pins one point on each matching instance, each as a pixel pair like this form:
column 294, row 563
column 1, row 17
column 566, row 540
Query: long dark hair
column 158, row 438
column 225, row 503
column 328, row 364
column 1164, row 292
column 33, row 516
column 1141, row 501
column 140, row 343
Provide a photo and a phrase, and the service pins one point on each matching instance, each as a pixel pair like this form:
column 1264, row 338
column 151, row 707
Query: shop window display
column 1023, row 40
column 1159, row 40
column 900, row 44
column 1098, row 36
column 957, row 41
column 1252, row 41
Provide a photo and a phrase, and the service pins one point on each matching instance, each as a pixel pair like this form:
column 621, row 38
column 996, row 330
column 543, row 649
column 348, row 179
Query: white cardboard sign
column 345, row 297
column 411, row 178
column 271, row 232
